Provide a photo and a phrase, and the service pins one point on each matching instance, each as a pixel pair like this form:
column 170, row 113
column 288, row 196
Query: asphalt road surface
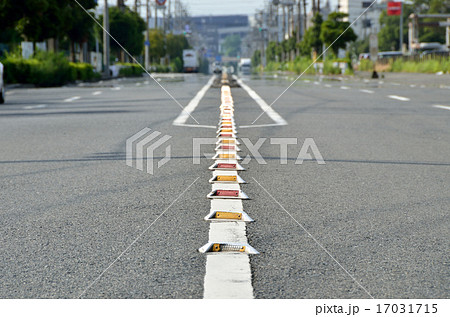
column 372, row 221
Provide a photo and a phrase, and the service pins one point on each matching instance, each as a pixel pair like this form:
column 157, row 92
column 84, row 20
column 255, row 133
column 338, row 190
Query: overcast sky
column 219, row 7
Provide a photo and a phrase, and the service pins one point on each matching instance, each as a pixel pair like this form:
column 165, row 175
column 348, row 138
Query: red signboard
column 394, row 8
column 160, row 2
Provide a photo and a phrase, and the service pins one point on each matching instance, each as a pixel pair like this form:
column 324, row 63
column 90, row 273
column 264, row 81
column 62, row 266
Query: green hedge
column 130, row 70
column 45, row 70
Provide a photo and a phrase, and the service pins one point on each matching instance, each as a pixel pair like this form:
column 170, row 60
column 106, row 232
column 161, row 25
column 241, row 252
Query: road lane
column 70, row 205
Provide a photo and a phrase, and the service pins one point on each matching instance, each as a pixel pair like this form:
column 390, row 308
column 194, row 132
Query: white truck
column 190, row 61
column 245, row 66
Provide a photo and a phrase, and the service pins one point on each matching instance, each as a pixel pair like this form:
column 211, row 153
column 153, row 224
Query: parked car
column 2, row 86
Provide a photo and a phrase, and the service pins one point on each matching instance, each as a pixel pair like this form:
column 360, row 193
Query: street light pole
column 106, row 40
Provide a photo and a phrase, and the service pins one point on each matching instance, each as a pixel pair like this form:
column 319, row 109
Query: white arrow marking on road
column 72, row 99
column 442, row 107
column 399, row 98
column 96, row 93
column 367, row 91
column 185, row 114
column 35, row 107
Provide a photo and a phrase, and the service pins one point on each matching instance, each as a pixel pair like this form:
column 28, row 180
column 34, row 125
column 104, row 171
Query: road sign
column 373, row 42
column 147, row 43
column 394, row 8
column 160, row 2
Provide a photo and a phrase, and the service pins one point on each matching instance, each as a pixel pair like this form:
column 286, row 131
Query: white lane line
column 264, row 106
column 35, row 107
column 186, row 112
column 442, row 107
column 138, row 84
column 72, row 99
column 260, row 125
column 197, row 126
column 306, row 80
column 366, row 91
column 96, row 93
column 316, row 83
column 116, row 88
column 399, row 98
column 345, row 87
column 328, row 85
column 9, row 93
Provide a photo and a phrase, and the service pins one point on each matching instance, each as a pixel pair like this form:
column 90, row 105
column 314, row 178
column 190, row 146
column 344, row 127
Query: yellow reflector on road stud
column 228, row 141
column 226, row 178
column 228, row 215
column 227, row 156
column 217, row 247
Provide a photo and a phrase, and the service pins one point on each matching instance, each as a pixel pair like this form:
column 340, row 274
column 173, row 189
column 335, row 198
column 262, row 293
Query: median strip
column 228, row 272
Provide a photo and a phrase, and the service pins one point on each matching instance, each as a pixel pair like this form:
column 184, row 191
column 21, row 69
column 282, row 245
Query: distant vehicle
column 190, row 61
column 364, row 56
column 216, row 67
column 245, row 66
column 389, row 54
column 2, row 86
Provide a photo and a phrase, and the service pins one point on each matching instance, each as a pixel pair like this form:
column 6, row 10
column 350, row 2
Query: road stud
column 227, row 194
column 222, row 166
column 228, row 216
column 227, row 247
column 227, row 179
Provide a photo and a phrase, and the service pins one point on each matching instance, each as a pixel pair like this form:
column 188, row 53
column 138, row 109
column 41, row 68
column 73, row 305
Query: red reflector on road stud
column 226, row 135
column 225, row 126
column 226, row 165
column 227, row 147
column 225, row 192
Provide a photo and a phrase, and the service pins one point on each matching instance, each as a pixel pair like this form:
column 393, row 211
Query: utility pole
column 401, row 27
column 106, row 40
column 156, row 17
column 147, row 36
column 299, row 24
column 305, row 17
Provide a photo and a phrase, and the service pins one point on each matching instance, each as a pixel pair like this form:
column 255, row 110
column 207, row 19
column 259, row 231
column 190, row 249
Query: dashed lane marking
column 345, row 87
column 72, row 99
column 366, row 91
column 96, row 93
column 399, row 98
column 442, row 107
column 35, row 107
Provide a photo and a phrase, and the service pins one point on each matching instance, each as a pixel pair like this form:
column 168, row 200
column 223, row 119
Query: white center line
column 35, row 107
column 96, row 93
column 186, row 113
column 442, row 107
column 399, row 98
column 72, row 99
column 367, row 91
